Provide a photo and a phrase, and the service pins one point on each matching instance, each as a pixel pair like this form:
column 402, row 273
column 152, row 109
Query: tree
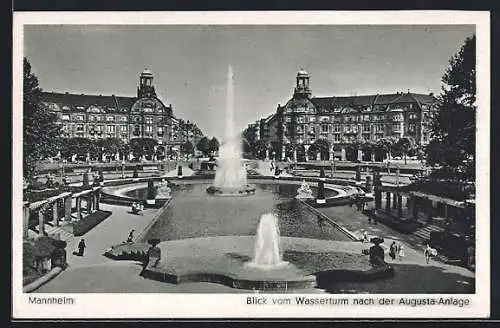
column 406, row 145
column 213, row 145
column 41, row 131
column 204, row 146
column 387, row 145
column 187, row 147
column 260, row 149
column 321, row 146
column 110, row 146
column 453, row 132
column 142, row 146
column 76, row 146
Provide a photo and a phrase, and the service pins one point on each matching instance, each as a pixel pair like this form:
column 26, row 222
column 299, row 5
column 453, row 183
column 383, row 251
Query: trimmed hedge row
column 403, row 226
column 83, row 226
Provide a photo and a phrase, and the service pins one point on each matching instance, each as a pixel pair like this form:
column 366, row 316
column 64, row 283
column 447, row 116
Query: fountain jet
column 231, row 174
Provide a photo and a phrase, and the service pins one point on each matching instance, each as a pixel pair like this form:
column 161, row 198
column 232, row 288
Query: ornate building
column 344, row 121
column 126, row 118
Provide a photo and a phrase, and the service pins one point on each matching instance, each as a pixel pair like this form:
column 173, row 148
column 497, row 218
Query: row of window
column 97, row 118
column 112, row 128
column 353, row 128
column 352, row 118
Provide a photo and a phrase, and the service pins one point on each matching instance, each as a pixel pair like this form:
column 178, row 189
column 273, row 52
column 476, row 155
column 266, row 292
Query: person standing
column 81, row 247
column 365, row 236
column 393, row 250
column 401, row 252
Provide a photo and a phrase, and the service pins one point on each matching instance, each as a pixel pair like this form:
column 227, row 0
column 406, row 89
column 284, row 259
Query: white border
column 233, row 305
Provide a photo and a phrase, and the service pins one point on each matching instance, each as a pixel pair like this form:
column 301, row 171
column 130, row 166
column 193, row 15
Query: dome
column 302, row 72
column 146, row 72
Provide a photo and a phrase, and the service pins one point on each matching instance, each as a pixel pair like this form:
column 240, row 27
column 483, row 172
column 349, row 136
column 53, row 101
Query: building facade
column 126, row 118
column 344, row 121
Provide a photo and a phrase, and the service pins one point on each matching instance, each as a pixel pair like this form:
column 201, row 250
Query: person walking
column 365, row 236
column 401, row 252
column 130, row 236
column 393, row 250
column 81, row 247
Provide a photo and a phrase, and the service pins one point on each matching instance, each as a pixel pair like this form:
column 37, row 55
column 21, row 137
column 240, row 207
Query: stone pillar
column 306, row 148
column 331, row 153
column 378, row 198
column 414, row 208
column 394, row 201
column 67, row 208
column 342, row 154
column 400, row 205
column 373, row 156
column 26, row 219
column 55, row 215
column 89, row 203
column 78, row 208
column 397, row 176
column 97, row 199
column 318, row 156
column 41, row 223
column 295, row 155
column 267, row 154
column 429, row 210
column 360, row 155
column 387, row 201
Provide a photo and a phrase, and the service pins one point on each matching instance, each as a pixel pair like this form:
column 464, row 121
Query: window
column 149, row 129
column 312, row 119
column 412, row 116
column 325, row 119
column 65, row 117
column 137, row 119
column 110, row 118
column 324, row 128
column 149, row 120
column 336, row 138
column 411, row 127
column 137, row 130
column 123, row 118
column 79, row 127
column 366, row 127
column 123, row 128
column 288, row 119
column 366, row 137
column 366, row 117
column 99, row 118
column 79, row 117
column 160, row 131
column 301, row 119
column 380, row 127
column 397, row 117
column 396, row 127
column 111, row 129
column 336, row 128
column 299, row 129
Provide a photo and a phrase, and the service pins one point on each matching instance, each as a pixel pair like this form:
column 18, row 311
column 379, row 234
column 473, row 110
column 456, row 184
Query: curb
column 338, row 226
column 42, row 280
column 153, row 221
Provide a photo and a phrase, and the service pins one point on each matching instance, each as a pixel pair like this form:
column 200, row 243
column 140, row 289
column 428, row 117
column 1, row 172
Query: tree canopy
column 204, row 146
column 41, row 131
column 452, row 147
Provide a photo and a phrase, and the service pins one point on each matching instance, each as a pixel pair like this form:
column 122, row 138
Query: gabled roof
column 84, row 100
column 327, row 103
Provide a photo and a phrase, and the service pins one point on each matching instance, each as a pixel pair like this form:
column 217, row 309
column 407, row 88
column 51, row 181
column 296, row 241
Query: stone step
column 425, row 232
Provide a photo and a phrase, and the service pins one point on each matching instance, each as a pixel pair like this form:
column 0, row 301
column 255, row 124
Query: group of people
column 137, row 208
column 396, row 251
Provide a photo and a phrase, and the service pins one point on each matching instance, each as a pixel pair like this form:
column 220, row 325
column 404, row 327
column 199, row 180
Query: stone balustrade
column 62, row 201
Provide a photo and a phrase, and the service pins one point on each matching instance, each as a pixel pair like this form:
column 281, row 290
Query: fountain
column 230, row 175
column 163, row 190
column 304, row 191
column 266, row 250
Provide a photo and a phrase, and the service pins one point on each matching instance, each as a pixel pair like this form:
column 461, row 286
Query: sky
column 190, row 62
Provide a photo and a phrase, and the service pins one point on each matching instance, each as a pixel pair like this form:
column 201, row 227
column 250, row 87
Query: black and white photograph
column 251, row 164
